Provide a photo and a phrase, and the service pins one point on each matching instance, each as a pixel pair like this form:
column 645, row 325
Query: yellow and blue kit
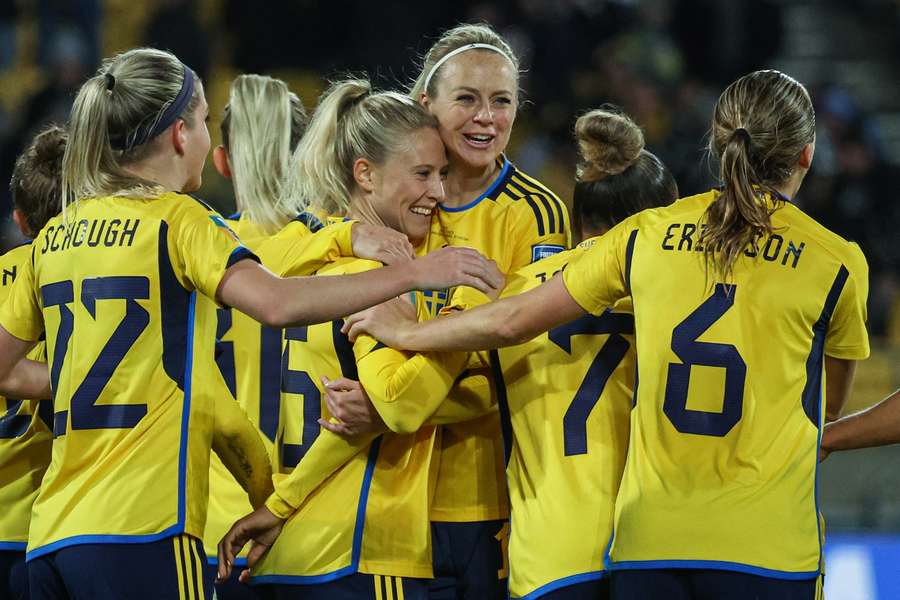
column 248, row 354
column 565, row 401
column 722, row 461
column 114, row 291
column 515, row 222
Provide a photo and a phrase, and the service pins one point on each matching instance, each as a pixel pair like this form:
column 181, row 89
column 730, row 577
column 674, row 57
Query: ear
column 220, row 160
column 21, row 222
column 179, row 136
column 425, row 101
column 806, row 155
column 364, row 174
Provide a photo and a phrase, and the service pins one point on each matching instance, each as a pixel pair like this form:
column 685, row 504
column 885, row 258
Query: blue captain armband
column 539, row 251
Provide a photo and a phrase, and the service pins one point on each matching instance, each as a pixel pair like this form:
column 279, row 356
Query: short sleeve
column 295, row 251
column 21, row 314
column 597, row 279
column 537, row 235
column 847, row 337
column 206, row 248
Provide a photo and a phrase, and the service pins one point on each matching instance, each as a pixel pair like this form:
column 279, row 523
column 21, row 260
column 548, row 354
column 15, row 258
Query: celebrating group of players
column 637, row 417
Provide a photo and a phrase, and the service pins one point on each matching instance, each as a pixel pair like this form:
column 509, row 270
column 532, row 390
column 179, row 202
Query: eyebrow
column 463, row 88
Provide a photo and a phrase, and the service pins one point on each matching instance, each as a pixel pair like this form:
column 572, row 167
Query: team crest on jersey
column 435, row 300
column 539, row 251
column 221, row 223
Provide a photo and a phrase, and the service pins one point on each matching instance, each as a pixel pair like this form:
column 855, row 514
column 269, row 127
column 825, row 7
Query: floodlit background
column 664, row 61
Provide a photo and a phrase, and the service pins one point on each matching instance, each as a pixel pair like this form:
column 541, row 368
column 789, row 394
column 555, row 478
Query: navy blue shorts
column 13, row 575
column 707, row 584
column 468, row 561
column 170, row 568
column 597, row 589
column 358, row 586
column 231, row 588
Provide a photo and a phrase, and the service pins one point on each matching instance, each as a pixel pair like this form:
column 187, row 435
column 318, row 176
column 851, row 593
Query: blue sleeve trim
column 239, row 254
column 103, row 539
column 487, row 192
column 713, row 564
column 562, row 583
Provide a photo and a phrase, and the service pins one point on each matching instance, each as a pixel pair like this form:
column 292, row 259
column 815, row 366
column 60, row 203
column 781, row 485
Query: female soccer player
column 378, row 158
column 25, row 425
column 112, row 284
column 718, row 497
column 470, row 82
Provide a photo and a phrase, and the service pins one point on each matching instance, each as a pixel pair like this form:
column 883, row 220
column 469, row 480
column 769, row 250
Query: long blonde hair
column 760, row 126
column 115, row 118
column 350, row 122
column 453, row 39
column 262, row 125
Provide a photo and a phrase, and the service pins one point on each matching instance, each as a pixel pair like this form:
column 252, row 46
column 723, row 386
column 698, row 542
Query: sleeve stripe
column 551, row 219
column 629, row 256
column 515, row 189
column 527, row 183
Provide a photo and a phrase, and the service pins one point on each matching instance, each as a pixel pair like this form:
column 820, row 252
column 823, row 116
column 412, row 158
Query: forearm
column 876, row 426
column 472, row 397
column 237, row 442
column 327, row 454
column 839, row 375
column 27, row 379
column 406, row 391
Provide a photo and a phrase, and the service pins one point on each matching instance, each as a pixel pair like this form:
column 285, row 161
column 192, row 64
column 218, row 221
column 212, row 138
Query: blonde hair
column 760, row 126
column 453, row 39
column 126, row 101
column 262, row 125
column 617, row 177
column 350, row 122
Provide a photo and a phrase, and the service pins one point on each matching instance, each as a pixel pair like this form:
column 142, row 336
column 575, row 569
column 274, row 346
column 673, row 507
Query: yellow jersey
column 115, row 293
column 515, row 222
column 722, row 462
column 565, row 401
column 25, row 435
column 371, row 482
column 248, row 354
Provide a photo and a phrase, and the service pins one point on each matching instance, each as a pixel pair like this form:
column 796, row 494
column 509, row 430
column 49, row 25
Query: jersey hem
column 559, row 584
column 720, row 565
column 304, row 579
column 395, row 569
column 470, row 515
column 79, row 540
column 240, row 561
column 13, row 546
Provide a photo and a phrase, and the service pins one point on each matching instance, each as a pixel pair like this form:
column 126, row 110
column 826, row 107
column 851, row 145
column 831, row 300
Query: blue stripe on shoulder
column 312, row 222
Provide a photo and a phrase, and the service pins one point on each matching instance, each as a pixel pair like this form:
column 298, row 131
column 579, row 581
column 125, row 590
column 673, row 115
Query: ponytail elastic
column 171, row 113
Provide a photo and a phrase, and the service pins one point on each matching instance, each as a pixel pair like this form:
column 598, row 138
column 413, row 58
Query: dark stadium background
column 664, row 61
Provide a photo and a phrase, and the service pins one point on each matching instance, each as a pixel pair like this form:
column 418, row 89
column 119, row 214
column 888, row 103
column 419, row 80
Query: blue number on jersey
column 691, row 352
column 299, row 382
column 605, row 362
column 85, row 413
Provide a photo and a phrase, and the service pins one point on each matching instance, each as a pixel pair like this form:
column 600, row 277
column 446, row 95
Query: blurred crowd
column 664, row 61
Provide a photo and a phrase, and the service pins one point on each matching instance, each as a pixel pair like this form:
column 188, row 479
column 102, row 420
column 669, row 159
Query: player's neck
column 361, row 210
column 789, row 188
column 465, row 184
column 159, row 171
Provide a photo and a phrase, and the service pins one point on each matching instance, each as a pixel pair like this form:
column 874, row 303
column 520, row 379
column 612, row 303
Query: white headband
column 460, row 50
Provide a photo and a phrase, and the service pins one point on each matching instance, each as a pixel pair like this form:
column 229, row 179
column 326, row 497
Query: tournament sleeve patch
column 539, row 251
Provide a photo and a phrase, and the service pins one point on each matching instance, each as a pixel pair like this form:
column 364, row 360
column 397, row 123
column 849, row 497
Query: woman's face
column 197, row 144
column 409, row 184
column 475, row 106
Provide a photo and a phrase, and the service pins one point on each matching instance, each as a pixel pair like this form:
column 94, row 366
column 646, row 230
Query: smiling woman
column 470, row 82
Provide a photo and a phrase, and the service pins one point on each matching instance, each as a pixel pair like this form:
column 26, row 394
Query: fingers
column 244, row 577
column 350, row 321
column 337, row 427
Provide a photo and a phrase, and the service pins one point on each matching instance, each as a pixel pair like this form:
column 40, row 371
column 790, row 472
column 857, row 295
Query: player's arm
column 296, row 301
column 407, row 392
column 325, row 456
column 305, row 254
column 21, row 377
column 506, row 322
column 236, row 441
column 839, row 375
column 875, row 426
